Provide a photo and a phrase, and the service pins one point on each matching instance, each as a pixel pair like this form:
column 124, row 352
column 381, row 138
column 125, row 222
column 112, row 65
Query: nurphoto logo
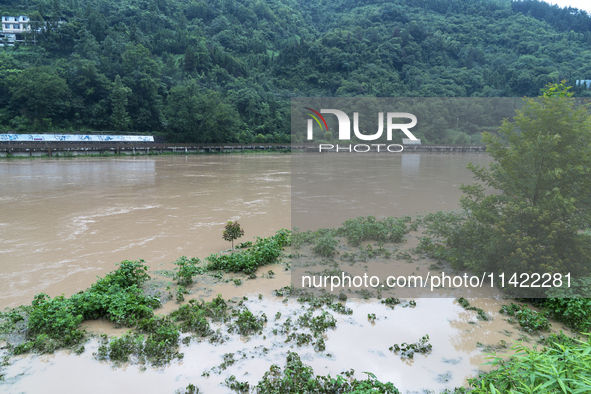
column 344, row 130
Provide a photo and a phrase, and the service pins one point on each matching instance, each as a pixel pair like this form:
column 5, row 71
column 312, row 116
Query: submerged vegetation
column 407, row 350
column 528, row 319
column 51, row 323
column 561, row 365
column 325, row 242
column 298, row 377
column 466, row 305
column 355, row 231
column 263, row 252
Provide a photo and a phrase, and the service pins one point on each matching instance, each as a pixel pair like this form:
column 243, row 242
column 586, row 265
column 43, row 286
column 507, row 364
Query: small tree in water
column 232, row 231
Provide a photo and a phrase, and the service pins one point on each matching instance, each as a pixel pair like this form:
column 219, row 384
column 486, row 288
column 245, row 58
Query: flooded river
column 63, row 222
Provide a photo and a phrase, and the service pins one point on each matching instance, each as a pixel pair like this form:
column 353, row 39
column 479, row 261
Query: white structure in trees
column 12, row 29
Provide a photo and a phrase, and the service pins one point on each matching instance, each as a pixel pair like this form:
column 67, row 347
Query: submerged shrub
column 317, row 324
column 391, row 302
column 407, row 350
column 298, row 377
column 264, row 251
column 529, row 320
column 156, row 342
column 247, row 323
column 119, row 349
column 190, row 389
column 186, row 270
column 299, row 238
column 369, row 228
column 574, row 312
column 571, row 305
column 192, row 317
column 53, row 322
column 466, row 305
column 325, row 246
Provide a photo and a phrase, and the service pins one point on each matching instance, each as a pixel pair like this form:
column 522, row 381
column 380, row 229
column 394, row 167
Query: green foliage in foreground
column 264, row 251
column 407, row 350
column 561, row 367
column 528, row 319
column 371, row 229
column 574, row 312
column 362, row 228
column 466, row 305
column 192, row 317
column 53, row 323
column 325, row 246
column 298, row 378
column 186, row 270
column 534, row 222
column 156, row 340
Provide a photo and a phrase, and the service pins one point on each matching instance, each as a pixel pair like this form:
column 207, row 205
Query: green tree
column 190, row 60
column 542, row 177
column 200, row 116
column 141, row 74
column 120, row 117
column 40, row 93
column 232, row 231
column 87, row 46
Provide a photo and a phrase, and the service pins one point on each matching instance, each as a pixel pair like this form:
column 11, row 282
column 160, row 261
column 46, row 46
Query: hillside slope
column 224, row 70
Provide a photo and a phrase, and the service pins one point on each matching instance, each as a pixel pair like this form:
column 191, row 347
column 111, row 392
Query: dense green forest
column 225, row 70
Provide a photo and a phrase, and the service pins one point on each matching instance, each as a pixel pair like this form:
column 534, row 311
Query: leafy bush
column 559, row 368
column 298, row 378
column 366, row 253
column 325, row 246
column 371, row 229
column 192, row 317
column 446, row 238
column 574, row 312
column 529, row 320
column 244, row 245
column 186, row 270
column 53, row 323
column 407, row 350
column 264, row 251
column 155, row 342
column 317, row 324
column 533, row 221
column 247, row 323
column 119, row 349
column 391, row 302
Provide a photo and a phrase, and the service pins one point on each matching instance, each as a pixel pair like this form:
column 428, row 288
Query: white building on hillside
column 12, row 29
column 15, row 24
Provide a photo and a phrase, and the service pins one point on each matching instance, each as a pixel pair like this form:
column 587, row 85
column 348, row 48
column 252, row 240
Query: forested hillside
column 224, row 70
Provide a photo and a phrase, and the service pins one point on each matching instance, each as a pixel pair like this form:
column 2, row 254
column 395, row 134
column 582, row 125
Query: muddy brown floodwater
column 63, row 222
